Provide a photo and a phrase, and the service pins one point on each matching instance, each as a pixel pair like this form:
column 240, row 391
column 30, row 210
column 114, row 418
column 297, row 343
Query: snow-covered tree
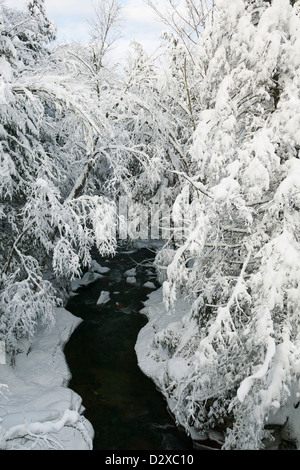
column 47, row 156
column 45, row 29
column 106, row 25
column 65, row 156
column 161, row 99
column 20, row 117
column 238, row 261
column 186, row 19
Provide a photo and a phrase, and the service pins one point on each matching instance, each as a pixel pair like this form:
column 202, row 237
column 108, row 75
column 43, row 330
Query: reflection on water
column 123, row 405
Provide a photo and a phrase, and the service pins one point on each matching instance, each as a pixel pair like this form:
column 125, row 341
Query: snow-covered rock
column 130, row 272
column 131, row 280
column 103, row 298
column 87, row 279
column 152, row 361
column 149, row 285
column 97, row 268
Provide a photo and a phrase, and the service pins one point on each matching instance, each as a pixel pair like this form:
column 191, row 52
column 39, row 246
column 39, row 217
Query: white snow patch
column 5, row 70
column 151, row 361
column 155, row 362
column 2, row 353
column 177, row 369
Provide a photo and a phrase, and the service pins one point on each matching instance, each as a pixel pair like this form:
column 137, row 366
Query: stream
column 124, row 407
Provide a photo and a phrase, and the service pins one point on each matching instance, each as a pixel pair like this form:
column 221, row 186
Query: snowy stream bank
column 37, row 409
column 170, row 371
column 124, row 406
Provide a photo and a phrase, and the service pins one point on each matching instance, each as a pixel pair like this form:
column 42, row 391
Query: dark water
column 123, row 405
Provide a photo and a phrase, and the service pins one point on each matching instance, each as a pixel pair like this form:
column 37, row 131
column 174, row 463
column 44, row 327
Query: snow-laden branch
column 223, row 316
column 246, row 385
column 197, row 185
column 46, row 430
column 56, row 90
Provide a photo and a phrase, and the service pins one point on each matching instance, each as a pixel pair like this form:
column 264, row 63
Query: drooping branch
column 197, row 185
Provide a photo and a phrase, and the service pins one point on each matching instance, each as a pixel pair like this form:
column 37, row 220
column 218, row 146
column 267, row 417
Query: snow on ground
column 158, row 319
column 37, row 409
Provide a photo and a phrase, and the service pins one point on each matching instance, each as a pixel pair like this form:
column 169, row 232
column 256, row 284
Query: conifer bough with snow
column 214, row 131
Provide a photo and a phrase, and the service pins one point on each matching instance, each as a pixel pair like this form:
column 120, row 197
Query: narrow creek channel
column 123, row 405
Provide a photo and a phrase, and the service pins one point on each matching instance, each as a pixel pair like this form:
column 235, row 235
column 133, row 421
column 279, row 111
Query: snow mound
column 177, row 369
